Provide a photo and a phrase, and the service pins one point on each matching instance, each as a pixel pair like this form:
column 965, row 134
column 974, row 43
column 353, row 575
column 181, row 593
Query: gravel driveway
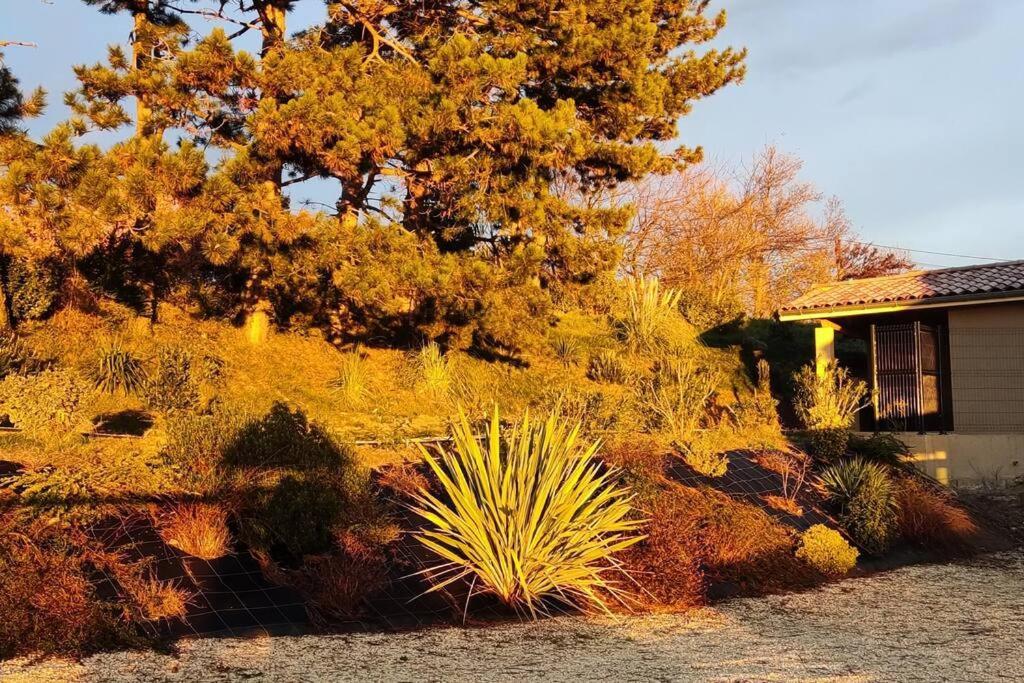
column 923, row 623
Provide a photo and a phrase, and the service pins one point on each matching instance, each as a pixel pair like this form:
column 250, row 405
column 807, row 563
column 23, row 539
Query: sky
column 908, row 111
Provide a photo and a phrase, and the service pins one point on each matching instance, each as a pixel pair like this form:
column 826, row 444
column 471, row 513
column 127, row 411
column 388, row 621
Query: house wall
column 986, row 349
column 965, row 460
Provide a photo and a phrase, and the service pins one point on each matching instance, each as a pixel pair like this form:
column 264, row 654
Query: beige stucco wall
column 987, row 368
column 963, row 460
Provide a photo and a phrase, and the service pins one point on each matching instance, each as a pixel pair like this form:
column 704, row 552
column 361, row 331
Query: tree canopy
column 467, row 140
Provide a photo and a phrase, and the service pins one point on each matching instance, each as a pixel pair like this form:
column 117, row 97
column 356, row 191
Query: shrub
column 339, row 585
column 827, row 551
column 295, row 517
column 828, row 445
column 16, row 357
column 649, row 313
column 829, row 400
column 34, row 289
column 48, row 604
column 863, row 493
column 46, row 404
column 170, row 386
column 930, row 518
column 702, row 453
column 733, row 541
column 677, row 398
column 197, row 529
column 666, row 564
column 285, row 438
column 607, row 366
column 435, row 370
column 196, row 444
column 117, row 368
column 530, row 517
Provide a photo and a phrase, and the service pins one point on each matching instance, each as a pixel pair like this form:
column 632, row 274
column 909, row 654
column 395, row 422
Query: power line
column 916, row 251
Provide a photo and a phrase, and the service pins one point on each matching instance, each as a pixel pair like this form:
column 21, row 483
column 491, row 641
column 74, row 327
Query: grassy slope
column 389, row 403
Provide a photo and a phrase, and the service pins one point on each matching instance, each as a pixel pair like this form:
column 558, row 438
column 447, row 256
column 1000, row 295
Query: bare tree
column 743, row 242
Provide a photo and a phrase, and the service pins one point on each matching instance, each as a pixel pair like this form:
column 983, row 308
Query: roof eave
column 817, row 313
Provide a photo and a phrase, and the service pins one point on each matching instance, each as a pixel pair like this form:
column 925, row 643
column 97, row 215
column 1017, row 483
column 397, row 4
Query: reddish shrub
column 928, row 517
column 47, row 603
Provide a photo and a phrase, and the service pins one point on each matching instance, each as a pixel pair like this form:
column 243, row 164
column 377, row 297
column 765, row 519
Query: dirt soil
column 958, row 621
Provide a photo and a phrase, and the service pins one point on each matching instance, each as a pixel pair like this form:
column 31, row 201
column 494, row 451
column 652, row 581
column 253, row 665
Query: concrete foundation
column 968, row 460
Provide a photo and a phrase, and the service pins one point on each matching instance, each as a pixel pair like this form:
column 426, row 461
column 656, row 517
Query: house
column 945, row 362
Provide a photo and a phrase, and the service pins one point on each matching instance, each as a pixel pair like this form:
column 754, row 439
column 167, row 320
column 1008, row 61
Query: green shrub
column 528, row 517
column 196, row 444
column 117, row 368
column 48, row 403
column 16, row 357
column 299, row 514
column 285, row 438
column 863, row 493
column 34, row 289
column 829, row 400
column 607, row 366
column 827, row 551
column 170, row 386
column 828, row 445
column 703, row 453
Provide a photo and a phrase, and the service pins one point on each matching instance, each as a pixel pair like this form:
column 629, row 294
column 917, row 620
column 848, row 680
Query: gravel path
column 923, row 623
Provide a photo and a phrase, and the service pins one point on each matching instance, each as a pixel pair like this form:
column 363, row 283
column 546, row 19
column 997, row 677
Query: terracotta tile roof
column 972, row 282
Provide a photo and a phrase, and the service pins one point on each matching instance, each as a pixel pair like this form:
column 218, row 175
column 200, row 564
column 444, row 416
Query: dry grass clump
column 435, row 371
column 157, row 599
column 529, row 517
column 827, row 551
column 929, row 518
column 197, row 529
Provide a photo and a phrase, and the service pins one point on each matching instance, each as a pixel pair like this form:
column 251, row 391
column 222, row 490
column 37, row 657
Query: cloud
column 800, row 35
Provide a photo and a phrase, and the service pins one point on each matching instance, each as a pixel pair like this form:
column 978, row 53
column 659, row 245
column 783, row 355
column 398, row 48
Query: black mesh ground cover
column 232, row 596
column 752, row 483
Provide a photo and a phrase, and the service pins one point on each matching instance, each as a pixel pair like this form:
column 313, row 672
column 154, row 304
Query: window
column 908, row 381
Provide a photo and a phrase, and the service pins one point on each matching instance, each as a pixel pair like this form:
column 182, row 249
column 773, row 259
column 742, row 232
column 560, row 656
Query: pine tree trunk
column 6, row 320
column 257, row 311
column 143, row 113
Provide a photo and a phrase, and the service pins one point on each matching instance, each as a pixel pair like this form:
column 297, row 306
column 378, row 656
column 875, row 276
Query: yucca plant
column 864, row 495
column 435, row 370
column 566, row 350
column 649, row 311
column 117, row 368
column 530, row 516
